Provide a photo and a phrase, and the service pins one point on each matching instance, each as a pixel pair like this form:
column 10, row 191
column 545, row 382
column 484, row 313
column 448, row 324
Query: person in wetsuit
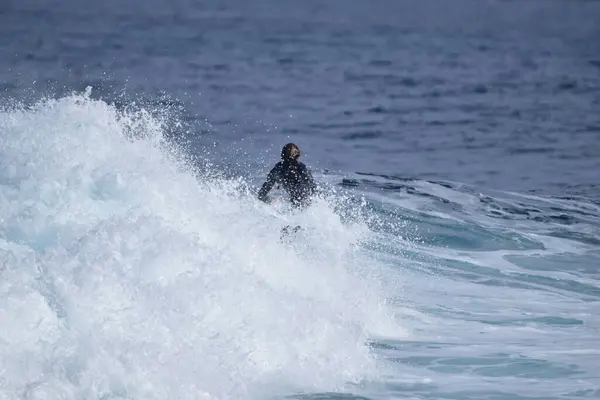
column 293, row 175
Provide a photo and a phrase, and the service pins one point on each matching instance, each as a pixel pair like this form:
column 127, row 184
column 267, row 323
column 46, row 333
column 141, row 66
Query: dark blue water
column 454, row 255
column 500, row 94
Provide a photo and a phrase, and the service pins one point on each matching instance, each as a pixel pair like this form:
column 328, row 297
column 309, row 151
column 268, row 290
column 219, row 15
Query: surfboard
column 288, row 232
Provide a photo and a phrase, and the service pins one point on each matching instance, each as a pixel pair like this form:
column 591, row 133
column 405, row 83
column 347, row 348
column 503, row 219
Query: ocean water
column 453, row 251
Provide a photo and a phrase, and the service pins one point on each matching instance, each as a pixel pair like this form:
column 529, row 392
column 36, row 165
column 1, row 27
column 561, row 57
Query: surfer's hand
column 265, row 199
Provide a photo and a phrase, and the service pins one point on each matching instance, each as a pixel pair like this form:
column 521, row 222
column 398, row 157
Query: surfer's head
column 290, row 152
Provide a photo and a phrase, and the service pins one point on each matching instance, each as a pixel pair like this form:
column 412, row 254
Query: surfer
column 293, row 175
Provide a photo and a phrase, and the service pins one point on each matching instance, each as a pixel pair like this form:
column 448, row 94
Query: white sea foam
column 123, row 276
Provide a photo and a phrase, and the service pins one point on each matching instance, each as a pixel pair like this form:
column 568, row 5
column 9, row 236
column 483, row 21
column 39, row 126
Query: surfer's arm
column 268, row 185
column 309, row 181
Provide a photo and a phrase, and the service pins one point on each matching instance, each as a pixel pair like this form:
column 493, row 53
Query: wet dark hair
column 290, row 152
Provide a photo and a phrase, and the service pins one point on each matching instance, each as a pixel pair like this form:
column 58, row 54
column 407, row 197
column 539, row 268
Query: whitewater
column 130, row 271
column 124, row 275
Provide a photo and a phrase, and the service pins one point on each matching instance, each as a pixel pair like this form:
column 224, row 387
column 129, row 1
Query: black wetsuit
column 295, row 178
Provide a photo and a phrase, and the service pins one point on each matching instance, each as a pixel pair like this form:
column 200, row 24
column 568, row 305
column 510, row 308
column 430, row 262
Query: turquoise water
column 501, row 291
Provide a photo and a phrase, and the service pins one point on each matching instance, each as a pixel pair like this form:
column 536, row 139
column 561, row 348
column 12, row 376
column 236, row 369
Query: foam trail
column 124, row 277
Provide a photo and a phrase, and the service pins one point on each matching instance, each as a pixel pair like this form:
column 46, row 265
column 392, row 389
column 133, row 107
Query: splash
column 125, row 276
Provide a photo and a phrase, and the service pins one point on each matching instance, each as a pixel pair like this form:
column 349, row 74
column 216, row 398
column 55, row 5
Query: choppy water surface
column 453, row 253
